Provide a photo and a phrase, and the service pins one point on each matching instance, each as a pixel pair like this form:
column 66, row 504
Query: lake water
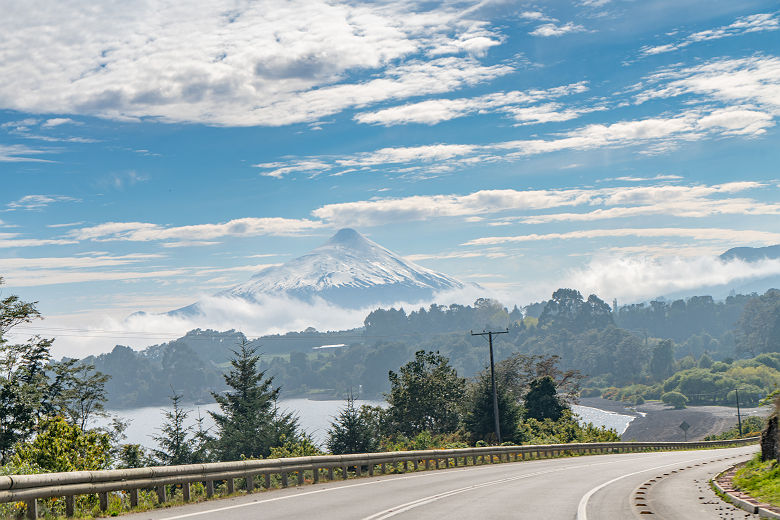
column 599, row 417
column 314, row 418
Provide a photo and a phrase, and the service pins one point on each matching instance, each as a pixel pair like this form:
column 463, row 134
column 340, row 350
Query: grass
column 760, row 480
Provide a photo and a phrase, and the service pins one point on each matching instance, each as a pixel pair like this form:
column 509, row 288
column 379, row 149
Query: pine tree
column 174, row 442
column 352, row 431
column 249, row 422
column 542, row 401
column 478, row 419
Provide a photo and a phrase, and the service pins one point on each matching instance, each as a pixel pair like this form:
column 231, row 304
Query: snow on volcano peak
column 348, row 270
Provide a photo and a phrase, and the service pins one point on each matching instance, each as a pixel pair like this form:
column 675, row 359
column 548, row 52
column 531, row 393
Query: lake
column 314, row 418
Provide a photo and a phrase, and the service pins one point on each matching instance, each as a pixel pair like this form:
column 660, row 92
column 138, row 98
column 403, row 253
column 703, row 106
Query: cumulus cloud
column 742, row 25
column 275, row 63
column 57, row 121
column 146, row 232
column 636, row 278
column 552, row 29
column 434, row 111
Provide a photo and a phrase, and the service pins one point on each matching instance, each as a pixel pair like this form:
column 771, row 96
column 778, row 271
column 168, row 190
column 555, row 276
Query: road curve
column 671, row 485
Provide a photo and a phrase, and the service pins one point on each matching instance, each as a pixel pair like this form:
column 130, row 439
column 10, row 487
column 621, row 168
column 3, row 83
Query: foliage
column 542, row 401
column 249, row 422
column 132, row 456
column 758, row 329
column 78, row 391
column 174, row 441
column 479, row 420
column 516, row 372
column 675, row 399
column 760, row 479
column 662, row 361
column 564, row 430
column 567, row 310
column 751, row 426
column 61, row 446
column 302, row 446
column 353, row 431
column 425, row 395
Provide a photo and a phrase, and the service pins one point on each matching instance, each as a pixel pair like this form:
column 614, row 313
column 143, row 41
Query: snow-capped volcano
column 348, row 270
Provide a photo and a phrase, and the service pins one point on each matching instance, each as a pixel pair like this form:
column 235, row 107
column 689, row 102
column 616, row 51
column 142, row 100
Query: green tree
column 24, row 386
column 542, row 401
column 758, row 329
column 78, row 391
column 353, row 431
column 61, row 446
column 478, row 419
column 662, row 360
column 249, row 422
column 425, row 395
column 174, row 442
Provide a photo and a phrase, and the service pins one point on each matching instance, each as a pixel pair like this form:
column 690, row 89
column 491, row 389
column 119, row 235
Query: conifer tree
column 174, row 441
column 352, row 431
column 249, row 422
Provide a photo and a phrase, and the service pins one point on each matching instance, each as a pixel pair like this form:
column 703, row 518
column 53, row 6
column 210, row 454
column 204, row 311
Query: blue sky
column 152, row 153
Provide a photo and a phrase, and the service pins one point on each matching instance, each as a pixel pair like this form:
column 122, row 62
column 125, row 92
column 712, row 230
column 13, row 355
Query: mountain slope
column 349, row 270
column 752, row 254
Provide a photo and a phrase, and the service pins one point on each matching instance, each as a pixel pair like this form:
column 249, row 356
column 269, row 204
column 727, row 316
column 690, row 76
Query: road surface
column 671, row 485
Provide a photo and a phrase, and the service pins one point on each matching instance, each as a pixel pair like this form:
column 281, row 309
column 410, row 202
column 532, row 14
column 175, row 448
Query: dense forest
column 613, row 349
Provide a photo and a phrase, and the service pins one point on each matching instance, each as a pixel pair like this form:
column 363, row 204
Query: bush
column 675, row 399
column 637, row 399
column 590, row 392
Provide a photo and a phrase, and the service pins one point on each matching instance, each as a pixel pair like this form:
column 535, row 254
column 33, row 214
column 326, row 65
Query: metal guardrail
column 30, row 488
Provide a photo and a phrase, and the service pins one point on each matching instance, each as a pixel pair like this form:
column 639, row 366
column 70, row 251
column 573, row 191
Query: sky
column 153, row 153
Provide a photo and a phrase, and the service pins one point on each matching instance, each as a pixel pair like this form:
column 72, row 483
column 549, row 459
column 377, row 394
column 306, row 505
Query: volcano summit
column 348, row 270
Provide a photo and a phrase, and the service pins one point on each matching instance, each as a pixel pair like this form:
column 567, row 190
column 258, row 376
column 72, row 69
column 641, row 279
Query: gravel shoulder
column 656, row 422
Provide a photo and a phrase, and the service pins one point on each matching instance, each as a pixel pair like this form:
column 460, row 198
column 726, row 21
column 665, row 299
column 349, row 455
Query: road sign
column 684, row 427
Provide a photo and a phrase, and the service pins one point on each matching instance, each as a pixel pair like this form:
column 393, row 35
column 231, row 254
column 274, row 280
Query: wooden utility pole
column 490, row 334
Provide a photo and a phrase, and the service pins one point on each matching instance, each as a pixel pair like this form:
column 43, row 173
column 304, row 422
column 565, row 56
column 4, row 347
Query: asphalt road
column 671, row 485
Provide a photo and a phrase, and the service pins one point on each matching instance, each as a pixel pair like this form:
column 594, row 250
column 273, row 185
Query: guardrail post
column 162, row 496
column 231, row 486
column 331, row 477
column 415, row 464
column 70, row 506
column 267, row 480
column 301, row 478
column 427, row 464
column 133, row 498
column 32, row 509
column 249, row 484
column 185, row 491
column 209, row 488
column 284, row 479
column 315, row 474
column 384, row 468
column 358, row 470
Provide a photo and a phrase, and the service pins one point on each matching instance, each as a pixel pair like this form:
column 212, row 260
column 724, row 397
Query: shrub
column 675, row 399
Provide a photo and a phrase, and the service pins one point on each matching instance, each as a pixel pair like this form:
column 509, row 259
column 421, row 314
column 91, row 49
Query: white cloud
column 536, row 16
column 222, row 63
column 20, row 153
column 11, row 240
column 197, row 233
column 36, row 202
column 743, row 25
column 656, row 134
column 618, row 202
column 551, row 29
column 745, row 81
column 57, row 121
column 434, row 111
column 732, row 236
column 636, row 278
